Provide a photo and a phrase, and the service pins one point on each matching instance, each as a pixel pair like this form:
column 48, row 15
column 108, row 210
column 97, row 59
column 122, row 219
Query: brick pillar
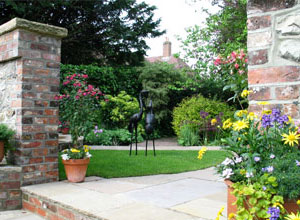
column 29, row 80
column 167, row 48
column 274, row 54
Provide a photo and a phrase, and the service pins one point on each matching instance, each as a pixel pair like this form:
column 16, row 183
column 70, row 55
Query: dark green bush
column 110, row 80
column 158, row 78
column 111, row 137
column 188, row 112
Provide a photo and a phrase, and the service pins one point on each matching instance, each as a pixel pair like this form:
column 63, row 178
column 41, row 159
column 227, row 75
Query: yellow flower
column 266, row 112
column 277, row 204
column 73, row 150
column 86, row 148
column 241, row 113
column 241, row 124
column 293, row 216
column 263, row 103
column 201, row 152
column 298, row 202
column 213, row 121
column 220, row 213
column 291, row 138
column 227, row 124
column 291, row 121
column 245, row 93
column 251, row 116
column 231, row 216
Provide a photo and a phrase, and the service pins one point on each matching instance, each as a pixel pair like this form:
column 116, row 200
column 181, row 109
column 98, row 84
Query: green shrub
column 188, row 136
column 110, row 137
column 117, row 111
column 110, row 80
column 157, row 78
column 188, row 112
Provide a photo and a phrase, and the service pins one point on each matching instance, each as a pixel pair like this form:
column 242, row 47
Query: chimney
column 167, row 48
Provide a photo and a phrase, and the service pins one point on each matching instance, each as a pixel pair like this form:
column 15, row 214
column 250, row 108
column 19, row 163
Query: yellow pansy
column 227, row 124
column 213, row 121
column 239, row 125
column 251, row 116
column 73, row 150
column 291, row 138
column 86, row 148
column 291, row 121
column 241, row 113
column 245, row 93
column 266, row 112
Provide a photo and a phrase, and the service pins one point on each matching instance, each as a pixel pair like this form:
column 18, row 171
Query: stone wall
column 274, row 54
column 29, row 80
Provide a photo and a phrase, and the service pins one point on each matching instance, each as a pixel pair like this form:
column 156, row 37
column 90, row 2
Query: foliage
column 106, row 31
column 6, row 133
column 117, row 163
column 188, row 136
column 254, row 199
column 110, row 80
column 78, row 104
column 115, row 137
column 117, row 112
column 157, row 78
column 235, row 68
column 76, row 153
column 188, row 112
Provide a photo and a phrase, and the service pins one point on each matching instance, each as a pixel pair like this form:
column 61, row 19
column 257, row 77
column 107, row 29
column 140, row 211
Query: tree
column 109, row 32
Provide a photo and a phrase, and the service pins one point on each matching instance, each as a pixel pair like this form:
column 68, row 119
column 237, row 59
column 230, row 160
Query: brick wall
column 10, row 193
column 29, row 80
column 274, row 54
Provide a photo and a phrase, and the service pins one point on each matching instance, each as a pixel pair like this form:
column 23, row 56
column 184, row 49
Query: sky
column 176, row 16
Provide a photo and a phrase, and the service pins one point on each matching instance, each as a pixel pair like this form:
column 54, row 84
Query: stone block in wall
column 288, row 92
column 269, row 5
column 260, row 39
column 260, row 94
column 290, row 50
column 258, row 57
column 258, row 22
column 10, row 192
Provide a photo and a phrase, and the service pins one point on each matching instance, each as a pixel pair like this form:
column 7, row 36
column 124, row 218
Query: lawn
column 117, row 163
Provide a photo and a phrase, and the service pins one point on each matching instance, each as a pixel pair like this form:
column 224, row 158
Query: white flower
column 248, row 175
column 65, row 157
column 227, row 173
column 227, row 161
column 238, row 160
column 88, row 155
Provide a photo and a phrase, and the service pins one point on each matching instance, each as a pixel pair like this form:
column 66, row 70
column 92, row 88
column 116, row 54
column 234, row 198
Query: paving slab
column 18, row 215
column 176, row 192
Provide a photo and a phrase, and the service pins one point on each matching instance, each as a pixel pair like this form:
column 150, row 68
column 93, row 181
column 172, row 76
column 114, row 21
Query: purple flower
column 272, row 156
column 256, row 159
column 275, row 114
column 264, row 188
column 266, row 121
column 274, row 212
column 297, row 163
column 268, row 169
column 203, row 114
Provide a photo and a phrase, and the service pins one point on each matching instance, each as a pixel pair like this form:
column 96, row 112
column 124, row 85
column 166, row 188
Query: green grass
column 117, row 163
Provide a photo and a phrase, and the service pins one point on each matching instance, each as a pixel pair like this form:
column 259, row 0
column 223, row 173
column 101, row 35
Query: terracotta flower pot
column 289, row 205
column 1, row 150
column 65, row 130
column 76, row 169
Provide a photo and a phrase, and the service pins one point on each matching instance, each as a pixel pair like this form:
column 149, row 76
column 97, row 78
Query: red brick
column 40, row 152
column 13, row 203
column 51, row 111
column 53, row 57
column 15, row 194
column 33, row 63
column 52, row 143
column 32, row 128
column 27, row 95
column 42, row 168
column 13, row 176
column 41, row 120
column 41, row 103
column 26, row 36
column 40, row 136
column 31, row 144
column 291, row 110
column 54, row 217
column 3, row 48
column 51, row 173
column 35, row 201
column 53, row 65
column 30, row 54
column 287, row 92
column 53, row 121
column 66, row 213
column 36, row 46
column 30, row 112
column 260, row 95
column 10, row 185
column 42, row 72
column 35, row 160
column 49, row 206
column 258, row 57
column 52, row 81
column 29, row 207
column 41, row 212
column 51, row 159
column 274, row 75
column 33, row 79
column 41, row 88
column 27, row 169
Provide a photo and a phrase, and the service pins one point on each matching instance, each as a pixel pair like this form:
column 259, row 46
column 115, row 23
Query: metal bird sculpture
column 134, row 119
column 149, row 127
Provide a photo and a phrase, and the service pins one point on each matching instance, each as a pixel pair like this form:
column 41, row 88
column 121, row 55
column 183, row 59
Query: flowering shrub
column 265, row 161
column 74, row 153
column 236, row 67
column 78, row 105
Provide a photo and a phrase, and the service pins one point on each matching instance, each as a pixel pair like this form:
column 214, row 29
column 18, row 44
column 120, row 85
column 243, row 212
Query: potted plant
column 76, row 162
column 6, row 135
column 63, row 127
column 263, row 172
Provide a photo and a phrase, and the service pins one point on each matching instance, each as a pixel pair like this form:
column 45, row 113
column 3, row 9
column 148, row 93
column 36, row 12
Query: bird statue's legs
column 153, row 147
column 130, row 143
column 136, row 140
